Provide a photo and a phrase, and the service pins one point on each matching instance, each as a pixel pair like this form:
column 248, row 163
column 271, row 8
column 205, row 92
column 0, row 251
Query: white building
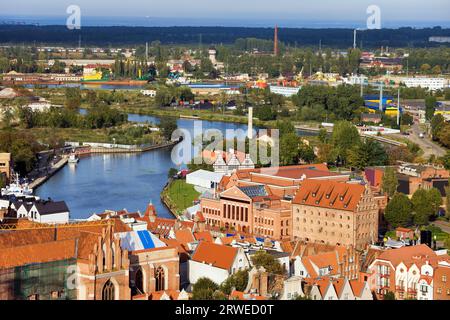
column 285, row 91
column 204, row 179
column 216, row 262
column 149, row 93
column 429, row 83
column 44, row 211
column 357, row 80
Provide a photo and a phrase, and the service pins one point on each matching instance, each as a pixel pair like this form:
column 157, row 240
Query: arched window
column 104, row 256
column 139, row 282
column 108, row 292
column 160, row 279
column 113, row 255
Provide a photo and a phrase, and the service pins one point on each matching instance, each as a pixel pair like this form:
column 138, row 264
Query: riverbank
column 177, row 195
column 53, row 169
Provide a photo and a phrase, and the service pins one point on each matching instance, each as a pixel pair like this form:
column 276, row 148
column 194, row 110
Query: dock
column 55, row 168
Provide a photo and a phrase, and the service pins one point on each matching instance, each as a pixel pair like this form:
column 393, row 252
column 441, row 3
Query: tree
column 430, row 107
column 73, row 98
column 425, row 204
column 390, row 182
column 344, row 137
column 306, row 153
column 447, row 202
column 367, row 153
column 289, row 149
column 238, row 281
column 437, row 122
column 172, row 172
column 204, row 289
column 389, row 296
column 435, row 199
column 446, row 160
column 398, row 211
column 268, row 262
column 168, row 125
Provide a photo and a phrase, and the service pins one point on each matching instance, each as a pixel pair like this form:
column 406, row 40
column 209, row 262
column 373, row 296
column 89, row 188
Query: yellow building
column 95, row 76
column 5, row 164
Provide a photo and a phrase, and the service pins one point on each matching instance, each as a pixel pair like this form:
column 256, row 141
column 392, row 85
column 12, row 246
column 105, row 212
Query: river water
column 121, row 181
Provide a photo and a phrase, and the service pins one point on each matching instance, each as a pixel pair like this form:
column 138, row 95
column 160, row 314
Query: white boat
column 73, row 158
column 15, row 188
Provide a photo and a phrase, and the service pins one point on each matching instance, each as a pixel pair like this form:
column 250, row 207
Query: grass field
column 180, row 195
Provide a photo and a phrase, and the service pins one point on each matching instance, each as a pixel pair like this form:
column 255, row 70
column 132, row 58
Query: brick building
column 334, row 212
column 251, row 209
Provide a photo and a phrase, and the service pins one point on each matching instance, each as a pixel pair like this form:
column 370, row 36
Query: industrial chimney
column 275, row 41
column 250, row 123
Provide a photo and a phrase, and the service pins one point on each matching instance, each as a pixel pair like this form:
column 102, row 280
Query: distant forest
column 120, row 36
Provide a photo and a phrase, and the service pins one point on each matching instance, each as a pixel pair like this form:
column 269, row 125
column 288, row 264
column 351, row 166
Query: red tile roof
column 329, row 194
column 37, row 253
column 239, row 295
column 217, row 255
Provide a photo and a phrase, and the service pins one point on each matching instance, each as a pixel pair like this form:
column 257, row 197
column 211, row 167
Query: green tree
column 344, row 137
column 168, row 125
column 204, row 289
column 447, row 202
column 437, row 123
column 390, row 181
column 367, row 153
column 389, row 296
column 172, row 172
column 268, row 262
column 289, row 149
column 425, row 204
column 430, row 107
column 238, row 281
column 73, row 98
column 398, row 211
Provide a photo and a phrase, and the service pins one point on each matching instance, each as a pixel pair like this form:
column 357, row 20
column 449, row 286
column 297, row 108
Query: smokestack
column 354, row 39
column 275, row 41
column 250, row 123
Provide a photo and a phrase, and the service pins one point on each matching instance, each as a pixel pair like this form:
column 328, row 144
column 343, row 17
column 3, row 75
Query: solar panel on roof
column 254, row 191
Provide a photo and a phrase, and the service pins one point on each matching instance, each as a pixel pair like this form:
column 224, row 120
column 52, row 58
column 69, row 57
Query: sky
column 408, row 11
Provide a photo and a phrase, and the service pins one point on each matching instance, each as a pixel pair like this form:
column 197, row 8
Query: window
column 108, row 292
column 439, row 290
column 424, row 288
column 160, row 279
column 444, row 278
column 55, row 294
column 139, row 282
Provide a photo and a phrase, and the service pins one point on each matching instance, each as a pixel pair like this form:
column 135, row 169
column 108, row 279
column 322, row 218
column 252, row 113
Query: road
column 445, row 226
column 428, row 146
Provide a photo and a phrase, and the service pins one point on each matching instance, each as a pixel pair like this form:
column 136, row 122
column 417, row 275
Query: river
column 120, row 181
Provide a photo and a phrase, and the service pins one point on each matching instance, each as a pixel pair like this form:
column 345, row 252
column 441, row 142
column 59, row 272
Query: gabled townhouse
column 361, row 290
column 216, row 262
column 170, row 295
column 408, row 272
column 239, row 295
column 315, row 260
column 339, row 289
column 44, row 211
column 323, row 289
